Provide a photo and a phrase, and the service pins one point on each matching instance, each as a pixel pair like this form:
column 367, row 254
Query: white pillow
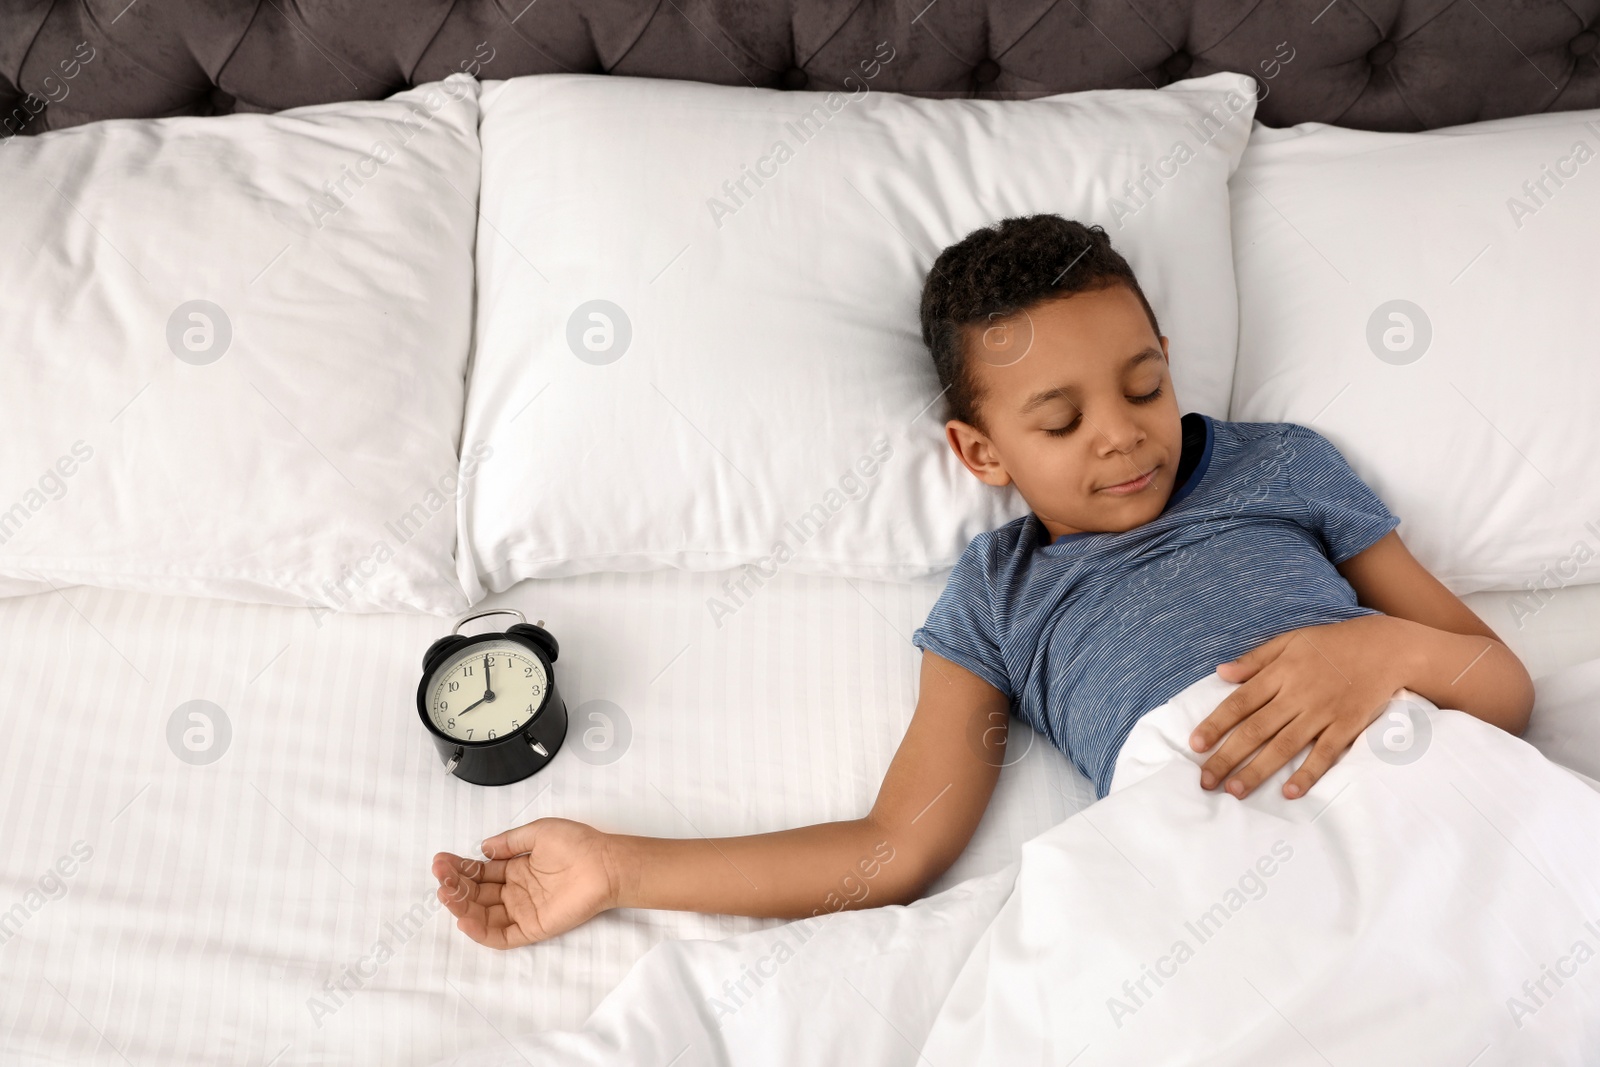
column 1565, row 724
column 233, row 353
column 1471, row 407
column 677, row 373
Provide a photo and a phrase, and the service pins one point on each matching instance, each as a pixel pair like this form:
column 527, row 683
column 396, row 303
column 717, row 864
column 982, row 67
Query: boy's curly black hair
column 996, row 271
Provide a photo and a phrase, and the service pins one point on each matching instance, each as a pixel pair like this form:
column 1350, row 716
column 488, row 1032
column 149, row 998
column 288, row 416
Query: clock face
column 487, row 692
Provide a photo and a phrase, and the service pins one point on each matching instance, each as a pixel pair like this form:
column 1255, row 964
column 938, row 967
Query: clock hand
column 488, row 694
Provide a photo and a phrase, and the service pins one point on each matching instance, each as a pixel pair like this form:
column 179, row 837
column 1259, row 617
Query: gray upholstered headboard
column 1373, row 64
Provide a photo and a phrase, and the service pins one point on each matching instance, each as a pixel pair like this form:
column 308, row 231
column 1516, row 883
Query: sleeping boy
column 1159, row 547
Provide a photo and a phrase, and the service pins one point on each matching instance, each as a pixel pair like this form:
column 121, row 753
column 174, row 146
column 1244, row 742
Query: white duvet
column 1435, row 899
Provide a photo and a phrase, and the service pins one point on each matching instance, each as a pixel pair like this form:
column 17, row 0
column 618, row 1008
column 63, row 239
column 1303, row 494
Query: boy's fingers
column 475, row 927
column 454, row 897
column 482, row 870
column 1238, row 706
column 494, row 928
column 480, row 913
column 484, row 893
column 1273, row 757
column 446, row 865
column 475, row 917
column 1248, row 736
column 512, row 842
column 511, row 935
column 1324, row 754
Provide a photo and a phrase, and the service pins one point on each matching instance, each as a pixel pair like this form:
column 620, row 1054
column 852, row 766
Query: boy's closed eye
column 1077, row 418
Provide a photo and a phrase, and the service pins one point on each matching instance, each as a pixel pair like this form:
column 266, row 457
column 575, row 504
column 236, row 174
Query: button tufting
column 268, row 53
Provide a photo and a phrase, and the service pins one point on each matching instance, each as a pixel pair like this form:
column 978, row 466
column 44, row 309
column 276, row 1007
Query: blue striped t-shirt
column 1087, row 633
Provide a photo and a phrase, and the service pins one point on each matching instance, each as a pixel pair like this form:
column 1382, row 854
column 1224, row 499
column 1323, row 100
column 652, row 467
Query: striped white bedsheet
column 274, row 907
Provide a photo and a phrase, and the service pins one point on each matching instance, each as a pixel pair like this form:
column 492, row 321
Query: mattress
column 258, row 891
column 275, row 905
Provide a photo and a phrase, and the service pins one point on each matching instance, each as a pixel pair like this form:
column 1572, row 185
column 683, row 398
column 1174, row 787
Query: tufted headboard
column 1372, row 64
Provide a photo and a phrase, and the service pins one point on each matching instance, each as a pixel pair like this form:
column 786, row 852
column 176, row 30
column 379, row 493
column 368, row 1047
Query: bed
column 219, row 902
column 258, row 892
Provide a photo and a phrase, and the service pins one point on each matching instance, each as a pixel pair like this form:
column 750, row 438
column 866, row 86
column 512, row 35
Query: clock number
column 488, row 661
column 513, row 724
column 535, row 688
column 454, row 686
column 530, row 712
column 469, row 735
column 443, row 705
column 450, row 724
column 527, row 672
column 466, row 670
column 491, row 735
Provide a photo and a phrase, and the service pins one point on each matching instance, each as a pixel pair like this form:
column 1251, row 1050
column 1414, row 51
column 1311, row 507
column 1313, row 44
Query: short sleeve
column 961, row 625
column 1344, row 511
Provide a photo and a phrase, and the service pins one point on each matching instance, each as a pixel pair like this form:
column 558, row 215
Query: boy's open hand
column 540, row 880
column 1322, row 684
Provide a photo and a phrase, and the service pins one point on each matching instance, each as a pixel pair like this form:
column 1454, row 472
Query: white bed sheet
column 276, row 906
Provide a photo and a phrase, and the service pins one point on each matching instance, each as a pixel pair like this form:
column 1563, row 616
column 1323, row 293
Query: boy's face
column 1081, row 366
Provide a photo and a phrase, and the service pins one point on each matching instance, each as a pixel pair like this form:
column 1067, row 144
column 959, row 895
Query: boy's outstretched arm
column 550, row 875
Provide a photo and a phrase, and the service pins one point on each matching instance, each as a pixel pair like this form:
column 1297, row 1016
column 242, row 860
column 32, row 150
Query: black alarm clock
column 490, row 701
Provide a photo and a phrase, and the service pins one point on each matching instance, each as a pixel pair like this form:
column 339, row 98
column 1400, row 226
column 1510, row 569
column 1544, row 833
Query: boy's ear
column 1164, row 353
column 976, row 452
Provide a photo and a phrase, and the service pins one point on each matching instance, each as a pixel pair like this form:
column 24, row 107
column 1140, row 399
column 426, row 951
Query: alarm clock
column 490, row 701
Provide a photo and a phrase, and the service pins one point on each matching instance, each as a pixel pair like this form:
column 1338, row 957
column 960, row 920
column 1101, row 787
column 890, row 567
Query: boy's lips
column 1141, row 482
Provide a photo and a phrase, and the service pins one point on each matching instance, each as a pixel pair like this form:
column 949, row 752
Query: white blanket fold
column 1435, row 898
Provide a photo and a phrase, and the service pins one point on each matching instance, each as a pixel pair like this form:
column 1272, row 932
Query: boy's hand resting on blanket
column 1322, row 684
column 1325, row 684
column 540, row 880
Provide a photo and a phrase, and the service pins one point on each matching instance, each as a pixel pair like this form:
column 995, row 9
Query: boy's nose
column 1120, row 434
